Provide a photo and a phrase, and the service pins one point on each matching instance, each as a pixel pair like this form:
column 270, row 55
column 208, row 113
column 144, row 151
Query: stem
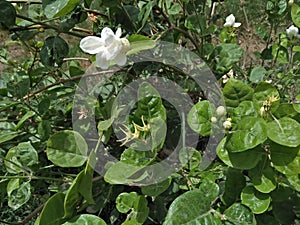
column 76, row 58
column 32, row 178
column 62, row 81
column 49, row 26
column 28, row 2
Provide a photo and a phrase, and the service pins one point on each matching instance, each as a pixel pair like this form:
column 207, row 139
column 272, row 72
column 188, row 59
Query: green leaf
column 67, row 149
column 263, row 178
column 297, row 105
column 210, row 188
column 258, row 202
column 191, row 207
column 280, row 53
column 141, row 209
column 53, row 52
column 132, row 201
column 28, row 115
column 265, row 91
column 7, row 136
column 136, row 157
column 195, row 23
column 18, row 194
column 257, row 74
column 285, row 131
column 199, row 117
column 80, row 188
column 59, row 7
column 44, row 129
column 150, row 103
column 295, row 13
column 123, row 173
column 156, row 189
column 292, row 168
column 240, row 160
column 7, row 15
column 249, row 133
column 125, row 201
column 20, row 157
column 137, row 46
column 235, row 182
column 225, row 56
column 264, row 219
column 236, row 91
column 284, row 212
column 282, row 155
column 294, row 181
column 239, row 214
column 245, row 109
column 85, row 219
column 53, row 211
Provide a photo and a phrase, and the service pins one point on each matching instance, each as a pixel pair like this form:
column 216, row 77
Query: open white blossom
column 108, row 47
column 292, row 32
column 230, row 21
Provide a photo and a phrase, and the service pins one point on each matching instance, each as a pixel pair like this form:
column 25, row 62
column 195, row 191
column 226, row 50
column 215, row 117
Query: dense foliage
column 183, row 112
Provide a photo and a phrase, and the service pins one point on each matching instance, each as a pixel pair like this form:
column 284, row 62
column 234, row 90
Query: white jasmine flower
column 292, row 32
column 221, row 111
column 230, row 21
column 110, row 47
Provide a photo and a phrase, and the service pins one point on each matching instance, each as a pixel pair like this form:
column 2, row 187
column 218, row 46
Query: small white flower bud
column 227, row 124
column 221, row 111
column 213, row 119
column 262, row 111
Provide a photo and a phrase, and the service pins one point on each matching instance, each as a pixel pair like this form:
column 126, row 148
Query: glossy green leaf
column 282, row 155
column 258, row 202
column 85, row 219
column 190, row 158
column 294, row 180
column 239, row 214
column 263, row 92
column 292, row 168
column 280, row 53
column 192, row 207
column 6, row 8
column 125, row 201
column 225, row 56
column 59, row 7
column 235, row 182
column 20, row 157
column 239, row 160
column 285, row 131
column 196, row 23
column 123, row 173
column 28, row 115
column 249, row 133
column 141, row 209
column 285, row 110
column 210, row 188
column 297, row 105
column 156, row 189
column 44, row 129
column 53, row 211
column 136, row 157
column 245, row 109
column 236, row 91
column 150, row 103
column 199, row 117
column 295, row 13
column 67, row 149
column 53, row 52
column 263, row 179
column 139, row 43
column 7, row 136
column 80, row 189
column 257, row 74
column 18, row 193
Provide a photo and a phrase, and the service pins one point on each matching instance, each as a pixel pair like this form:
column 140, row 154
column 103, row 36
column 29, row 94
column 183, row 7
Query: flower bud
column 227, row 124
column 213, row 119
column 221, row 111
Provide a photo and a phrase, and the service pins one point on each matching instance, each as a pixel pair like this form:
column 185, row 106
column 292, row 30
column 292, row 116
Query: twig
column 62, row 81
column 49, row 26
column 31, row 215
column 28, row 2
